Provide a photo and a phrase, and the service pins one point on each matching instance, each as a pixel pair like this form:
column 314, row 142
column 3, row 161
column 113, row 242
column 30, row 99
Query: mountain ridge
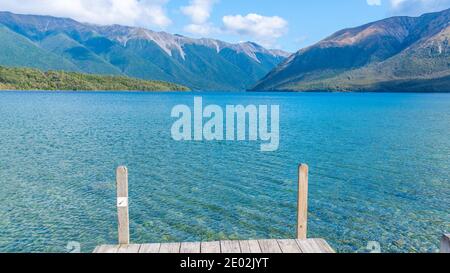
column 396, row 49
column 139, row 52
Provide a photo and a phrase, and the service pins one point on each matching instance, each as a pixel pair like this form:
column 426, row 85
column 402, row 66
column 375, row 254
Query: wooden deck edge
column 225, row 247
column 445, row 243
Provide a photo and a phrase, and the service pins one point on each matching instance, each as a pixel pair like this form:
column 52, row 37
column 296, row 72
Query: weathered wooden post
column 302, row 214
column 122, row 205
column 445, row 244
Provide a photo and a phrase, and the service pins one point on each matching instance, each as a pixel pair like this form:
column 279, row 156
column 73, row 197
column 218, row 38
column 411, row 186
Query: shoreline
column 220, row 91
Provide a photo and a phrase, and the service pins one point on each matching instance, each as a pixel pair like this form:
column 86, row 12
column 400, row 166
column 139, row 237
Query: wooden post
column 302, row 214
column 445, row 244
column 122, row 205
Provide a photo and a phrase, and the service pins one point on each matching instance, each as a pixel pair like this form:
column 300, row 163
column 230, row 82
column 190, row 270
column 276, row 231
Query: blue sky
column 308, row 21
column 284, row 24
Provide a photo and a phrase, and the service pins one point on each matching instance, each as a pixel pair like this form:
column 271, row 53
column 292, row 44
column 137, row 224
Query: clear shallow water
column 380, row 171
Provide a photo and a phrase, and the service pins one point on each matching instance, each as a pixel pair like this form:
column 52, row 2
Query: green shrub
column 34, row 79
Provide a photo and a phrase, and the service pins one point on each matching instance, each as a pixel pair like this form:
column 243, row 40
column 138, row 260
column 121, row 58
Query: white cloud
column 412, row 7
column 199, row 12
column 374, row 2
column 201, row 29
column 144, row 13
column 417, row 7
column 266, row 30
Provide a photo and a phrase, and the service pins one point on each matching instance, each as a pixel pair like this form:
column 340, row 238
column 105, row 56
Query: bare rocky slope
column 400, row 54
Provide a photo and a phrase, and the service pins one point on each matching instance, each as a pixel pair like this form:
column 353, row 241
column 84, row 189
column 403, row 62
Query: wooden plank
column 305, row 246
column 250, row 247
column 445, row 244
column 96, row 249
column 254, row 246
column 122, row 205
column 230, row 247
column 150, row 248
column 289, row 246
column 312, row 246
column 129, row 249
column 210, row 247
column 302, row 212
column 107, row 249
column 324, row 246
column 245, row 247
column 317, row 246
column 190, row 248
column 170, row 248
column 269, row 246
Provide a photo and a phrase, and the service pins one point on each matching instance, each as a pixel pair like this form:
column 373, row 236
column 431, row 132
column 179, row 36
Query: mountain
column 396, row 54
column 34, row 79
column 46, row 42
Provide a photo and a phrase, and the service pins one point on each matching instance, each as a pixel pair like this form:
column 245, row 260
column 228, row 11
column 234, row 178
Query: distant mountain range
column 396, row 54
column 51, row 43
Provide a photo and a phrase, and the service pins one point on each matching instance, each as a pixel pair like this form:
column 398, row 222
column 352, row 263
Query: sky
column 283, row 24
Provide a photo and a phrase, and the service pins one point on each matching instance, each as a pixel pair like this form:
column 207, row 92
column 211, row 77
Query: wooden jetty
column 225, row 247
column 299, row 245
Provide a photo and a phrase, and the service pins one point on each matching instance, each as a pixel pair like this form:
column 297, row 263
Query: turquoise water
column 380, row 171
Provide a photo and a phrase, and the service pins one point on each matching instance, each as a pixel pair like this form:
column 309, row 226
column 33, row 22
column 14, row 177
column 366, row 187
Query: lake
column 379, row 163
